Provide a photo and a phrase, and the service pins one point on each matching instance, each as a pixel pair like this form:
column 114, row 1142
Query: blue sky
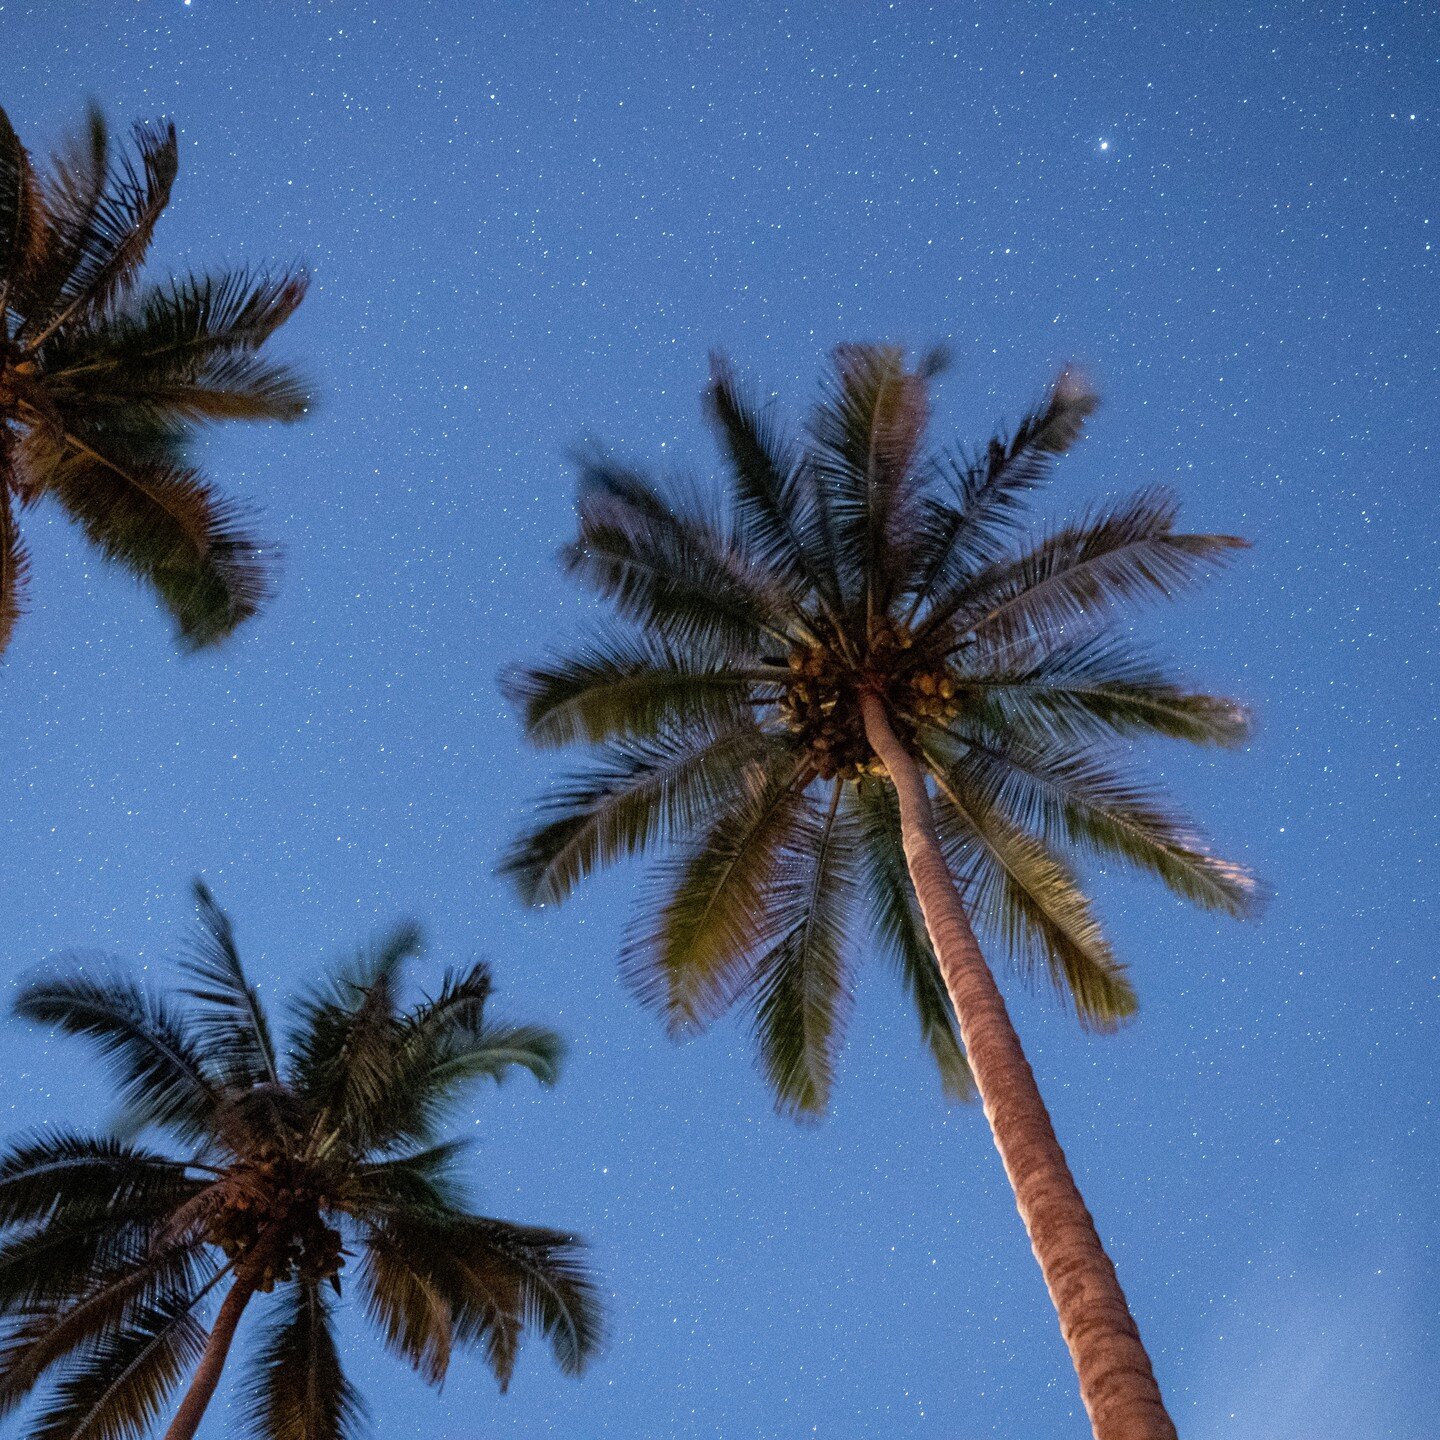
column 527, row 225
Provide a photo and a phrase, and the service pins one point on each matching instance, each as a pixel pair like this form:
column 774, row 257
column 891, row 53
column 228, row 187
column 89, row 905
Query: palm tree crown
column 101, row 382
column 724, row 711
column 283, row 1165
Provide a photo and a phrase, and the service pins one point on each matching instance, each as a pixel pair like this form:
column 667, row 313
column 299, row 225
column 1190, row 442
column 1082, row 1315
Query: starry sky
column 527, row 224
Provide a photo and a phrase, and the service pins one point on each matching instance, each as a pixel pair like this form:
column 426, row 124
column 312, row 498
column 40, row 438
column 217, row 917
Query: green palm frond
column 106, row 257
column 344, row 1055
column 1022, row 893
column 163, row 524
column 447, row 1044
column 230, row 1022
column 159, row 1066
column 1099, row 687
column 22, row 219
column 669, row 566
column 117, row 1386
column 900, row 928
column 974, row 525
column 1129, row 552
column 866, row 435
column 66, row 1173
column 435, row 1282
column 637, row 794
column 1075, row 798
column 774, row 506
column 625, row 685
column 297, row 1387
column 14, row 562
column 717, row 917
column 37, row 1337
column 802, row 988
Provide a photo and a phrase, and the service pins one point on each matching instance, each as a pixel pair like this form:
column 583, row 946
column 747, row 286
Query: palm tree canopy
column 720, row 708
column 296, row 1158
column 102, row 381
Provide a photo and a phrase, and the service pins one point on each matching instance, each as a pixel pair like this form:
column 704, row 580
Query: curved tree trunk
column 1116, row 1381
column 212, row 1362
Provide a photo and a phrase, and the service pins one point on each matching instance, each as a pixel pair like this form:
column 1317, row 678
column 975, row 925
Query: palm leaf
column 107, row 256
column 230, row 1023
column 1131, row 551
column 58, row 1173
column 14, row 563
column 669, row 567
column 157, row 1060
column 900, row 928
column 297, row 1387
column 953, row 539
column 1099, row 687
column 802, row 987
column 773, row 507
column 718, row 917
column 117, row 1387
column 344, row 1055
column 638, row 794
column 37, row 1338
column 1072, row 797
column 624, row 685
column 23, row 222
column 1023, row 894
column 866, row 434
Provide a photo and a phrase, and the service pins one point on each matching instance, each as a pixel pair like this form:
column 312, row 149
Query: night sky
column 527, row 224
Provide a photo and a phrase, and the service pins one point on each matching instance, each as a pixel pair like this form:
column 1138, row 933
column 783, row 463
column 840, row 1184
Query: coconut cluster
column 278, row 1197
column 821, row 703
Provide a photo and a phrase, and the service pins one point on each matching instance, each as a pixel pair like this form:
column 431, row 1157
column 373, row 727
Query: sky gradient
column 527, row 224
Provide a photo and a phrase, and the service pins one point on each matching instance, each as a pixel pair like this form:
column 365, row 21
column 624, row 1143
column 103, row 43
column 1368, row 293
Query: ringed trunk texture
column 212, row 1362
column 1117, row 1384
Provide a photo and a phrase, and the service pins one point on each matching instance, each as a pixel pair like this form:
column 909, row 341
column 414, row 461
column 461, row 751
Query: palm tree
column 282, row 1165
column 101, row 383
column 856, row 677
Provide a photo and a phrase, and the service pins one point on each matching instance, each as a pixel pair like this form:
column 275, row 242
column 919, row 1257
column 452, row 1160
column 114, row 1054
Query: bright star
column 1104, row 144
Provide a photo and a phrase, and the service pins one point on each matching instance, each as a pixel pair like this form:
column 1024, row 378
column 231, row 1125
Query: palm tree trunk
column 217, row 1348
column 1117, row 1384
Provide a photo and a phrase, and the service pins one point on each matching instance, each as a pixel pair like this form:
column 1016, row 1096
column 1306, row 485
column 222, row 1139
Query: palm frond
column 627, row 685
column 55, row 1174
column 118, row 1386
column 866, row 434
column 716, row 919
column 433, row 1283
column 23, row 222
column 163, row 524
column 802, row 988
column 639, row 793
column 344, row 1052
column 669, row 567
column 297, row 1388
column 447, row 1044
column 1021, row 892
column 900, row 928
column 107, row 256
column 14, row 562
column 1099, row 687
column 1067, row 796
column 1129, row 552
column 989, row 493
column 159, row 1066
column 74, row 191
column 774, row 510
column 230, row 1022
column 37, row 1337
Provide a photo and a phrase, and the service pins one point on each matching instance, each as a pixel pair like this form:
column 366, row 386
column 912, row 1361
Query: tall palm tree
column 102, row 383
column 855, row 676
column 282, row 1165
